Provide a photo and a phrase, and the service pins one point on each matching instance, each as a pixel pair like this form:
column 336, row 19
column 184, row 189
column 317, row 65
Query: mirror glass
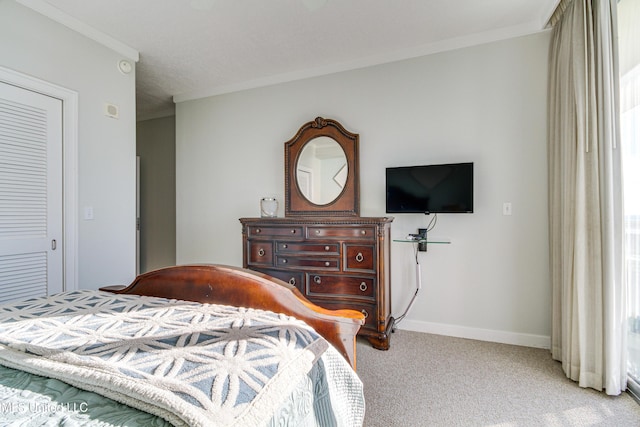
column 321, row 170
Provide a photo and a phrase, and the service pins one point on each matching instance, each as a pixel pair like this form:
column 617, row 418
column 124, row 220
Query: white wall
column 37, row 46
column 156, row 146
column 485, row 104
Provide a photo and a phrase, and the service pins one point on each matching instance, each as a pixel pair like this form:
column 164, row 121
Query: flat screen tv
column 429, row 189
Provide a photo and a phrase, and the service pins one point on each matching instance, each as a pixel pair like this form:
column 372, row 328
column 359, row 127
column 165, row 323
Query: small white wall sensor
column 111, row 110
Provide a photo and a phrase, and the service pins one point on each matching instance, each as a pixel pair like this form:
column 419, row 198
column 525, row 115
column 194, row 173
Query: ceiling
column 194, row 48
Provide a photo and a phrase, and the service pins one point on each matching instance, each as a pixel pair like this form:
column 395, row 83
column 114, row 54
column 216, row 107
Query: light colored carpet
column 432, row 380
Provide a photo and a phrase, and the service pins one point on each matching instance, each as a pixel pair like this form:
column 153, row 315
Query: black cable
column 432, row 223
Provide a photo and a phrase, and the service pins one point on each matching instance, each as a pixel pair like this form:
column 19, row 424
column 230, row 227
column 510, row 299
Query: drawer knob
column 317, row 231
column 258, row 231
column 261, row 252
column 292, row 281
column 359, row 257
column 327, row 248
column 285, row 246
column 365, row 313
column 363, row 286
column 293, row 231
column 363, row 232
column 284, row 261
column 317, row 279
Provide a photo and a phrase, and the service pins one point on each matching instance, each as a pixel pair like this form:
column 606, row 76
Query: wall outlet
column 422, row 246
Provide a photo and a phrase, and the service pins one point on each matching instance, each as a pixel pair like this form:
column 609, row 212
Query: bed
column 190, row 345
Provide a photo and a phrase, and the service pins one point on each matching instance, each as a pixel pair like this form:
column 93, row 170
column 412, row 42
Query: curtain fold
column 585, row 197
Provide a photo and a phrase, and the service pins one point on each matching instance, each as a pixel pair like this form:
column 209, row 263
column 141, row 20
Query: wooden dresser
column 335, row 262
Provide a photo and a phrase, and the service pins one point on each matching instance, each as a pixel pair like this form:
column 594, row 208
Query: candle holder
column 268, row 207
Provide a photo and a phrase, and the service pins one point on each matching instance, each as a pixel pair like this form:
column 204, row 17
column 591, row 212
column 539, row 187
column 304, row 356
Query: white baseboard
column 514, row 338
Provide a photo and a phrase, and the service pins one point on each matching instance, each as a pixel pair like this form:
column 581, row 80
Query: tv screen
column 430, row 189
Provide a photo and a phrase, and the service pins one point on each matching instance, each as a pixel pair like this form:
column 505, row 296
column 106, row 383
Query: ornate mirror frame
column 347, row 203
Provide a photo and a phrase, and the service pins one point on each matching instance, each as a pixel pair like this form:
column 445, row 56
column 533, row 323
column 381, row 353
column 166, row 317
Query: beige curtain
column 585, row 199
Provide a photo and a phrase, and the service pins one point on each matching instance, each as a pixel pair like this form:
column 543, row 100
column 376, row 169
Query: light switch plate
column 88, row 212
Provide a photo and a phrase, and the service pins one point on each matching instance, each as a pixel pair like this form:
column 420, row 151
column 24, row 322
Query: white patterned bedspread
column 189, row 363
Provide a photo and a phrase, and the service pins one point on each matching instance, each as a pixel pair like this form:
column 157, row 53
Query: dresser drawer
column 369, row 310
column 254, row 231
column 321, row 232
column 259, row 253
column 340, row 286
column 307, row 248
column 294, row 278
column 318, row 263
column 359, row 258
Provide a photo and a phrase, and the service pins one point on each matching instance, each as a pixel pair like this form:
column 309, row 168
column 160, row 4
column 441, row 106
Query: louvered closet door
column 30, row 194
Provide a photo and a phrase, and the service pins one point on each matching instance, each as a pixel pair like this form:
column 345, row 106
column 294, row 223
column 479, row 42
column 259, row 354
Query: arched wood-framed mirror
column 321, row 171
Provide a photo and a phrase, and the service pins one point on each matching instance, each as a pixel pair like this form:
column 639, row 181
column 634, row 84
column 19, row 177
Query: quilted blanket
column 192, row 364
